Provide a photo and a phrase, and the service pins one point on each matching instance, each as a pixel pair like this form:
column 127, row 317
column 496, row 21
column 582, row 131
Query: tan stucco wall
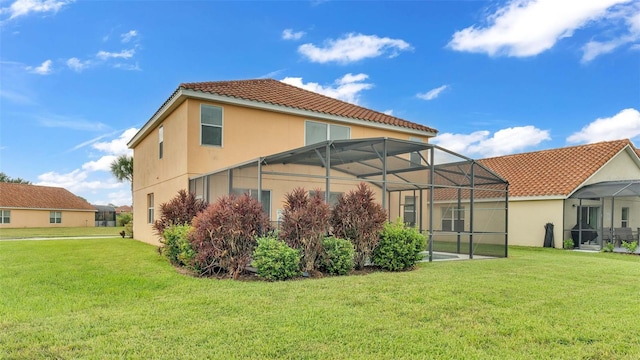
column 247, row 134
column 40, row 218
column 621, row 167
column 528, row 218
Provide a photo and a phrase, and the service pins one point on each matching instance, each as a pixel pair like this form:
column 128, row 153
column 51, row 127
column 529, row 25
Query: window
column 266, row 198
column 150, row 208
column 453, row 219
column 333, row 197
column 625, row 217
column 315, row 132
column 415, row 158
column 160, row 141
column 5, row 216
column 210, row 125
column 55, row 217
column 410, row 210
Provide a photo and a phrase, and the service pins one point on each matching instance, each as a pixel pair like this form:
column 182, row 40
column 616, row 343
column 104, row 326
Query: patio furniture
column 588, row 234
column 623, row 234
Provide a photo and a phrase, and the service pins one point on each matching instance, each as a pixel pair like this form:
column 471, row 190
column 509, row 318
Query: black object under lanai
column 548, row 236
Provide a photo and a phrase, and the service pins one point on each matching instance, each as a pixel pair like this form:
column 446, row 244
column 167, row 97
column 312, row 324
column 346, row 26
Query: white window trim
column 328, row 134
column 161, row 142
column 2, row 216
column 221, row 126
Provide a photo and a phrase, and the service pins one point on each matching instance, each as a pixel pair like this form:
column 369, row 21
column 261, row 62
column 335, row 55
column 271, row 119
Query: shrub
column 630, row 246
column 358, row 218
column 124, row 218
column 275, row 260
column 178, row 211
column 128, row 229
column 608, row 247
column 224, row 234
column 568, row 244
column 305, row 222
column 177, row 247
column 337, row 256
column 399, row 247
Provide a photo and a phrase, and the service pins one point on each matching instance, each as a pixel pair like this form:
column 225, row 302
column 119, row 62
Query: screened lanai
column 604, row 212
column 457, row 203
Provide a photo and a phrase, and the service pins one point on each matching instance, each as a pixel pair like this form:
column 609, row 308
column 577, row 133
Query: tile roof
column 40, row 197
column 275, row 92
column 553, row 172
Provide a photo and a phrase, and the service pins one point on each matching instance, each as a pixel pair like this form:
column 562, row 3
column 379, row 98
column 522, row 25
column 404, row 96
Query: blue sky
column 78, row 78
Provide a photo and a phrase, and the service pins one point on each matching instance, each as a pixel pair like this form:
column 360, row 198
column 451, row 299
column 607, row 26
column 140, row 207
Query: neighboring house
column 202, row 135
column 23, row 205
column 105, row 216
column 597, row 185
column 123, row 209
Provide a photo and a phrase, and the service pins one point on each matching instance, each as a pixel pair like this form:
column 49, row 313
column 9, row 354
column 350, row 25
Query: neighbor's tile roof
column 275, row 92
column 555, row 171
column 40, row 197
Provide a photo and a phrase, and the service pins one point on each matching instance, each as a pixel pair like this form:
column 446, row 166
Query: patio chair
column 623, row 234
column 606, row 236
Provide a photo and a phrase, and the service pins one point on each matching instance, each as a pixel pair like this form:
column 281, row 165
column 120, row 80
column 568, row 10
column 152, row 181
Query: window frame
column 160, row 142
column 624, row 217
column 409, row 210
column 221, row 126
column 449, row 218
column 150, row 208
column 55, row 217
column 328, row 131
column 5, row 214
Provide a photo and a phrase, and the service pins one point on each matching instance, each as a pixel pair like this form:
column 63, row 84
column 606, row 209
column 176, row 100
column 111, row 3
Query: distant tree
column 122, row 169
column 8, row 179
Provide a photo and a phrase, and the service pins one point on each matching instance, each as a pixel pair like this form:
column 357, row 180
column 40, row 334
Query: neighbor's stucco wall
column 247, row 134
column 527, row 220
column 21, row 218
column 621, row 167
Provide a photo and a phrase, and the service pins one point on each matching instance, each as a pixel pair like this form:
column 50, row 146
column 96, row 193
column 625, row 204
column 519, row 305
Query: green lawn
column 116, row 298
column 18, row 233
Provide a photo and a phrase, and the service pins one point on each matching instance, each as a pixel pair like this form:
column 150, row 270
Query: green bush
column 177, row 247
column 608, row 247
column 128, row 229
column 275, row 260
column 337, row 256
column 399, row 247
column 630, row 246
column 124, row 218
column 568, row 244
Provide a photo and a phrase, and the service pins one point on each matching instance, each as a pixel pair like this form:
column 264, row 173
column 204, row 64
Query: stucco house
column 23, row 205
column 265, row 137
column 594, row 185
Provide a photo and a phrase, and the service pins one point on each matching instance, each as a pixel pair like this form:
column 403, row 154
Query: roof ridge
column 564, row 148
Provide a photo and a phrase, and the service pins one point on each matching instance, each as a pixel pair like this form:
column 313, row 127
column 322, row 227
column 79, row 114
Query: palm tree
column 8, row 179
column 122, row 169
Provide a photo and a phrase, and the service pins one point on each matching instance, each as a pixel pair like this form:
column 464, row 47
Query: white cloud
column 433, row 93
column 289, row 34
column 128, row 36
column 76, row 181
column 43, row 69
column 353, row 47
column 117, row 146
column 124, row 54
column 60, row 121
column 346, row 88
column 623, row 125
column 631, row 16
column 77, row 65
column 102, row 164
column 25, row 7
column 528, row 27
column 388, row 112
column 503, row 142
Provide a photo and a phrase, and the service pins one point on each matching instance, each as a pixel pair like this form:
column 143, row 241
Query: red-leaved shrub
column 178, row 211
column 224, row 234
column 305, row 223
column 360, row 219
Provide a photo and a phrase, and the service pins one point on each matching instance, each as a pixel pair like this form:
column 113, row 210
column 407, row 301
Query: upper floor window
column 5, row 216
column 55, row 217
column 210, row 125
column 415, row 157
column 160, row 141
column 315, row 132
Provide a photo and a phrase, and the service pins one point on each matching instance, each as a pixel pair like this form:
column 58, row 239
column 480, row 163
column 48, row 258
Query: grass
column 47, row 232
column 116, row 298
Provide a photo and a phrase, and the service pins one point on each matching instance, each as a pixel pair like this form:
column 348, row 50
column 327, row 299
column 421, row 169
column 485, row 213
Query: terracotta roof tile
column 40, row 197
column 275, row 92
column 553, row 172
